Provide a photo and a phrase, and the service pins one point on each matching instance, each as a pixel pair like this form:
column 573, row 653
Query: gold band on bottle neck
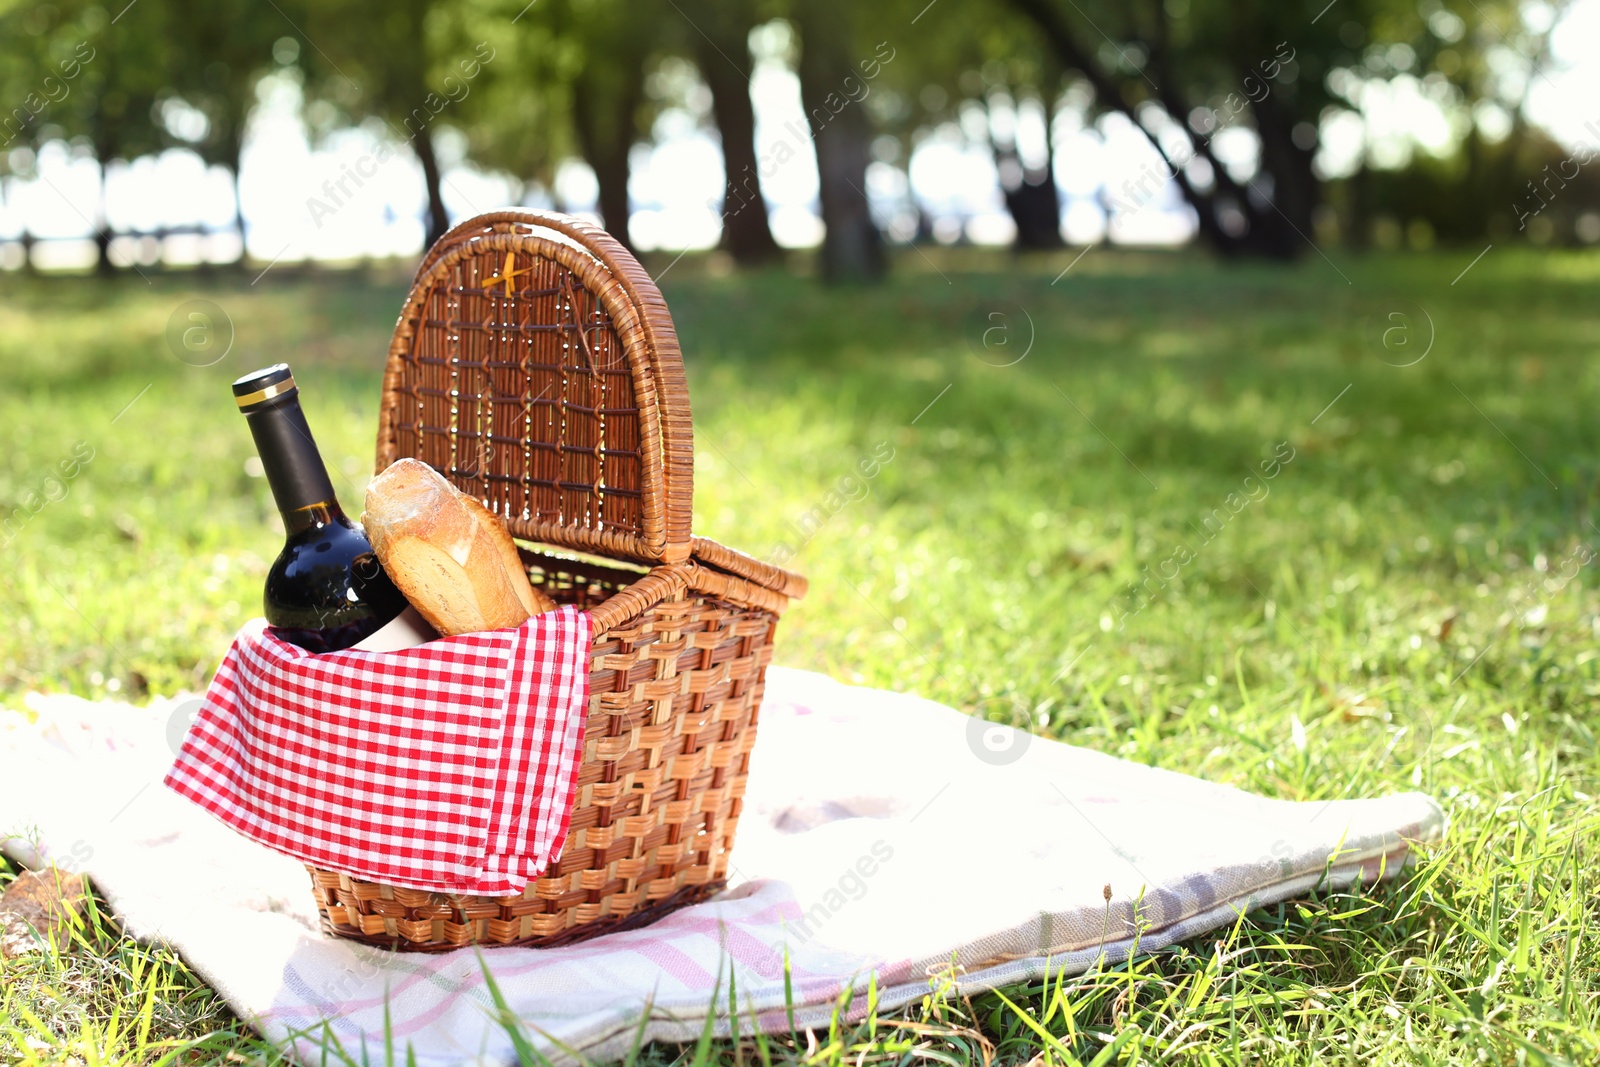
column 275, row 389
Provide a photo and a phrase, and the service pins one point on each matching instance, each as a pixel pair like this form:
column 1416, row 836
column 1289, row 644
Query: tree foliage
column 533, row 85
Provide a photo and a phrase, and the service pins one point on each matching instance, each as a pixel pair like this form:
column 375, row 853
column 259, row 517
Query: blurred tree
column 615, row 41
column 1479, row 73
column 222, row 50
column 1184, row 70
column 517, row 116
column 1030, row 192
column 1527, row 188
column 575, row 80
column 114, row 99
column 24, row 64
column 1156, row 68
column 89, row 79
column 972, row 55
column 832, row 85
column 368, row 58
column 720, row 44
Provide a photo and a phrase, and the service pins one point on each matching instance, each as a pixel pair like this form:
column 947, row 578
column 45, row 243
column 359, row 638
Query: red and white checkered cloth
column 449, row 766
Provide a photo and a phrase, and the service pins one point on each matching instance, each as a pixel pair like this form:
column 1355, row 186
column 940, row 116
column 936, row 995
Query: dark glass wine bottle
column 326, row 590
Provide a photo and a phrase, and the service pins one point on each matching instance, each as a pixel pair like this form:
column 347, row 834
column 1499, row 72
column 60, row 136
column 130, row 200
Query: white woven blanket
column 883, row 833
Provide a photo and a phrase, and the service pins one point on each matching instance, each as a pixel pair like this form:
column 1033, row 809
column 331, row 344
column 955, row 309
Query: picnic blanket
column 884, row 836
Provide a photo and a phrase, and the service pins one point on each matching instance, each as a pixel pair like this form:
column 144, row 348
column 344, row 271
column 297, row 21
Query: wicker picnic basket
column 535, row 366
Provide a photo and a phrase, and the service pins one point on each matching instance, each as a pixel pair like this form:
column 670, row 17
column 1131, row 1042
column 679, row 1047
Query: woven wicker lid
column 535, row 365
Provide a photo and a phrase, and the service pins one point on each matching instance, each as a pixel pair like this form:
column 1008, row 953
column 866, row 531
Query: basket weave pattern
column 563, row 406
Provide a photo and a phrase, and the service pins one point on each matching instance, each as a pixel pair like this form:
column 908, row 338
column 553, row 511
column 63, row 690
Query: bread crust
column 533, row 598
column 451, row 557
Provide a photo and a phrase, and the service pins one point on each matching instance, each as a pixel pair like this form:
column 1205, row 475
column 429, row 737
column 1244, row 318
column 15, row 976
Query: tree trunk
column 1361, row 212
column 235, row 150
column 102, row 227
column 1032, row 200
column 438, row 221
column 238, row 220
column 605, row 122
column 28, row 242
column 25, row 238
column 611, row 171
column 1476, row 182
column 1035, row 206
column 1280, row 224
column 1031, row 196
column 852, row 247
column 746, row 233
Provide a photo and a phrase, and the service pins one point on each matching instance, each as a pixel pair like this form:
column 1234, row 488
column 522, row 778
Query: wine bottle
column 326, row 590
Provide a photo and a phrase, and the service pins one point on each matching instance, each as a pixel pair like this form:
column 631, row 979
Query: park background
column 995, row 316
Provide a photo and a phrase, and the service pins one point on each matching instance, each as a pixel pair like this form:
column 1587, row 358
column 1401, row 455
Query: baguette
column 533, row 600
column 451, row 557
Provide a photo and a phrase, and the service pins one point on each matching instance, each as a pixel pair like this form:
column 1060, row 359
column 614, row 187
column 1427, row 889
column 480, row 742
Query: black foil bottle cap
column 258, row 387
column 270, row 403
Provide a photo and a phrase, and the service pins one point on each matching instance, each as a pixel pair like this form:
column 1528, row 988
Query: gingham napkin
column 448, row 766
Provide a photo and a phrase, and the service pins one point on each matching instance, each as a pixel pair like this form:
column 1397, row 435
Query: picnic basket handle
column 626, row 487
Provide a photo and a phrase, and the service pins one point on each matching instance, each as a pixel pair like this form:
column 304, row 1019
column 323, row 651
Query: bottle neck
column 293, row 466
column 311, row 517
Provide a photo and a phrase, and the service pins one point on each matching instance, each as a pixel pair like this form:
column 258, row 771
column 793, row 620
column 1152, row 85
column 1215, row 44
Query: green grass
column 1406, row 605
